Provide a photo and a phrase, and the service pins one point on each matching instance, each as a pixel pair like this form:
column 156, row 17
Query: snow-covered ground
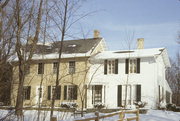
column 152, row 115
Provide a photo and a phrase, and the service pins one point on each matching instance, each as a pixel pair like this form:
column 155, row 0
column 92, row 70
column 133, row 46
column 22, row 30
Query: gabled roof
column 121, row 54
column 69, row 46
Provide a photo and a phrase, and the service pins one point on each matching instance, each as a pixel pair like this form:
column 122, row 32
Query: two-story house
column 74, row 68
column 129, row 75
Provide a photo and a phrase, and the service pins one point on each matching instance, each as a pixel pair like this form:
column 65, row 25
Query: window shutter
column 127, row 66
column 58, row 93
column 138, row 93
column 116, row 66
column 65, row 92
column 75, row 92
column 119, row 96
column 159, row 93
column 29, row 92
column 93, row 87
column 138, row 65
column 105, row 66
column 49, row 92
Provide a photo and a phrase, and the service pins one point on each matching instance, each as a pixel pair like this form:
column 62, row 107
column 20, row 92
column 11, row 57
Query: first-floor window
column 96, row 94
column 168, row 96
column 128, row 94
column 26, row 92
column 70, row 92
column 51, row 90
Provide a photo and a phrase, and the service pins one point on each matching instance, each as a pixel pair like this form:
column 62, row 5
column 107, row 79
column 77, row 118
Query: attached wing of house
column 125, row 77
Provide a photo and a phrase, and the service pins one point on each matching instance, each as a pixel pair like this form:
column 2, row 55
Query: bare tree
column 24, row 12
column 6, row 46
column 173, row 77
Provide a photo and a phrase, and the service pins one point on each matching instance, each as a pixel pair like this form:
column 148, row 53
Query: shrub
column 140, row 104
column 99, row 105
column 69, row 105
column 171, row 107
column 162, row 105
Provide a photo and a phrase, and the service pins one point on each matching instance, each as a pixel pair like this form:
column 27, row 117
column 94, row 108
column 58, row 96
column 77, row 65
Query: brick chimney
column 96, row 34
column 140, row 43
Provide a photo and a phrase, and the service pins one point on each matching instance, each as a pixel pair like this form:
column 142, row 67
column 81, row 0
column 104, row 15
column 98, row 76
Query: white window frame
column 132, row 65
column 111, row 66
column 72, row 68
column 55, row 67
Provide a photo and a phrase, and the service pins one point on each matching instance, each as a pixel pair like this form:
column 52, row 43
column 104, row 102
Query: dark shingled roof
column 69, row 46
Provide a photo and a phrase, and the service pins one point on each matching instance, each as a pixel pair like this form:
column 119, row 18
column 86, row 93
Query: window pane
column 55, row 65
column 71, row 67
column 26, row 92
column 41, row 68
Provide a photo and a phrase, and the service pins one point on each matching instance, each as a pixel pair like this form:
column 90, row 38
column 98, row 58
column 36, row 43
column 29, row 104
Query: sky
column 122, row 21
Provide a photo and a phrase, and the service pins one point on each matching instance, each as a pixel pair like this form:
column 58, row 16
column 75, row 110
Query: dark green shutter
column 127, row 66
column 159, row 93
column 138, row 65
column 93, row 88
column 75, row 92
column 138, row 93
column 105, row 66
column 116, row 66
column 119, row 96
column 49, row 92
column 58, row 93
column 65, row 92
column 28, row 92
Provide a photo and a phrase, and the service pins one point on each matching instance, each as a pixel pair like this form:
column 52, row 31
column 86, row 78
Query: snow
column 152, row 115
column 152, row 52
column 54, row 56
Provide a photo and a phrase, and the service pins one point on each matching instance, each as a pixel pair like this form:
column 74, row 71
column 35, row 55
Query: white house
column 142, row 70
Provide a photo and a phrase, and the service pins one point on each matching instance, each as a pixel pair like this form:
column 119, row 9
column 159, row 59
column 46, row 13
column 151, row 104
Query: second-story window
column 55, row 65
column 72, row 67
column 111, row 66
column 40, row 68
column 27, row 69
column 132, row 66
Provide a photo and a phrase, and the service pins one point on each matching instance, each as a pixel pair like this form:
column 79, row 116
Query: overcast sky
column 157, row 21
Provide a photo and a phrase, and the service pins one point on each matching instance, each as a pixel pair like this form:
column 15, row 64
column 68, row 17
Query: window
column 168, row 96
column 26, row 92
column 128, row 94
column 71, row 67
column 96, row 94
column 55, row 65
column 70, row 92
column 132, row 66
column 111, row 66
column 40, row 68
column 27, row 69
column 51, row 90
